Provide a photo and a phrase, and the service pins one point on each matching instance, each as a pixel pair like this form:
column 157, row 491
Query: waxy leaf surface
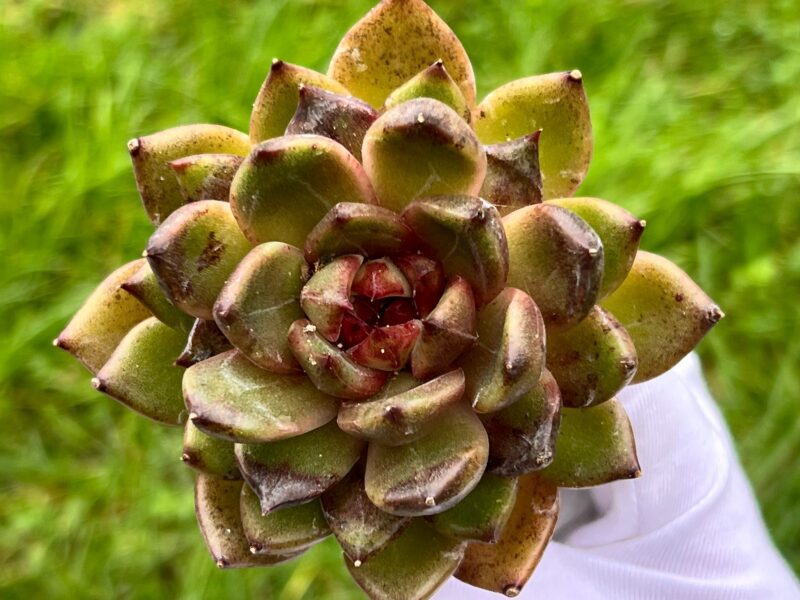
column 143, row 284
column 206, row 176
column 208, row 454
column 434, row 82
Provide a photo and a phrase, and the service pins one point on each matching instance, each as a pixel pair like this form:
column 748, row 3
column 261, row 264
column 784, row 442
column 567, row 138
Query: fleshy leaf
column 484, row 512
column 513, row 178
column 557, row 259
column 151, row 156
column 259, row 302
column 231, row 398
column 144, row 286
column 217, row 508
column 206, row 176
column 433, row 473
column 447, row 331
column 522, row 437
column 405, row 410
column 466, row 235
column 427, row 280
column 193, row 252
column 591, row 361
column 295, row 470
column 142, row 375
column 387, row 348
column 360, row 527
column 344, row 119
column 556, row 104
column 664, row 311
column 326, row 297
column 106, row 316
column 208, row 454
column 411, row 567
column 205, row 340
column 506, row 566
column 619, row 231
column 380, row 278
column 595, row 445
column 394, row 42
column 508, row 357
column 279, row 95
column 330, row 368
column 287, row 184
column 287, row 530
column 422, row 148
column 434, row 82
column 355, row 228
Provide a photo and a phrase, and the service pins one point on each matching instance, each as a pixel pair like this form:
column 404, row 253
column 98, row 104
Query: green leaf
column 208, row 454
column 434, row 82
column 143, row 285
column 206, row 176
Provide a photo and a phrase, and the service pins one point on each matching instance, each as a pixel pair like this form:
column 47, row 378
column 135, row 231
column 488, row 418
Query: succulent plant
column 381, row 316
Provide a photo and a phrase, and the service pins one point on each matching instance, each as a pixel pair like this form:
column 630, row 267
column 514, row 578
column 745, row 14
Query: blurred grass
column 697, row 129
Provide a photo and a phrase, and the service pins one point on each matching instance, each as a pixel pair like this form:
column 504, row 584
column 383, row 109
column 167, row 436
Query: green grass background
column 697, row 129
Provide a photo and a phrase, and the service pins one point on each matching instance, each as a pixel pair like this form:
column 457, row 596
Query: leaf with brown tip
column 206, row 176
column 193, row 252
column 143, row 285
column 394, row 42
column 506, row 566
column 142, row 375
column 151, row 156
column 664, row 311
column 205, row 340
column 231, row 398
column 106, row 316
column 434, row 82
column 295, row 470
column 513, row 178
column 326, row 297
column 556, row 104
column 208, row 454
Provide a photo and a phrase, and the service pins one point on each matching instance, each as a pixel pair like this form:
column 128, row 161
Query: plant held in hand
column 381, row 316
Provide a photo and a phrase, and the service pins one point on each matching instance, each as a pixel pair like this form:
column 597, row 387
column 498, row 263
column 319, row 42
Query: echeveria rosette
column 381, row 316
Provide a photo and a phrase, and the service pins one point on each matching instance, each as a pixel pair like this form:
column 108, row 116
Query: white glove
column 688, row 528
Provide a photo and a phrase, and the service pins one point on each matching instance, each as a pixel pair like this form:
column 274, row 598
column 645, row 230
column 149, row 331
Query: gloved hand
column 688, row 528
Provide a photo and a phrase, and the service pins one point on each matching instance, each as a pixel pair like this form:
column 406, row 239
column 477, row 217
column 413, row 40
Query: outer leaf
column 278, row 98
column 286, row 185
column 433, row 473
column 664, row 311
column 193, row 252
column 326, row 297
column 394, row 42
column 144, row 286
column 152, row 154
column 411, row 567
column 142, row 375
column 206, row 176
column 513, row 177
column 592, row 361
column 295, row 470
column 556, row 104
column 208, row 454
column 595, row 445
column 106, row 316
column 231, row 398
column 434, row 82
column 205, row 340
column 506, row 566
column 422, row 148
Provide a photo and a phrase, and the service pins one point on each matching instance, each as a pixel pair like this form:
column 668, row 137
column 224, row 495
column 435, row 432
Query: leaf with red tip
column 206, row 176
column 427, row 280
column 380, row 278
column 513, row 178
column 151, row 156
column 295, row 470
column 432, row 473
column 422, row 148
column 205, row 340
column 330, row 368
column 522, row 437
column 231, row 398
column 326, row 297
column 446, row 332
column 394, row 42
column 434, row 82
column 387, row 348
column 396, row 312
column 344, row 119
column 557, row 259
column 208, row 454
column 355, row 228
column 142, row 375
column 279, row 95
column 287, row 184
column 193, row 252
column 508, row 357
column 595, row 445
column 405, row 410
column 259, row 302
column 466, row 235
column 556, row 104
column 506, row 566
column 664, row 311
column 143, row 284
column 106, row 316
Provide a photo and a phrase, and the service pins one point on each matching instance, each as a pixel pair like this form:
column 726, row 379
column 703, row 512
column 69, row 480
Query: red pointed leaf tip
column 379, row 279
column 387, row 348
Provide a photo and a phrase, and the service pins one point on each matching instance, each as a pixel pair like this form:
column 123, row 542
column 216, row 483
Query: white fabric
column 688, row 528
